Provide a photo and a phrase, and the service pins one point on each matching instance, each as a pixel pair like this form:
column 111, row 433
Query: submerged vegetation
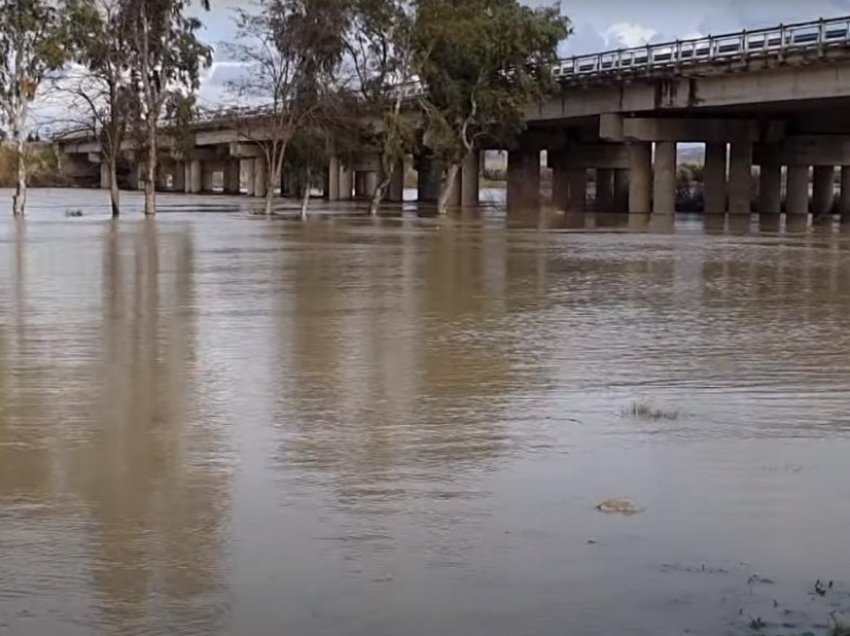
column 647, row 410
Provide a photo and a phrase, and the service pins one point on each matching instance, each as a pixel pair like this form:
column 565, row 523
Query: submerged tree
column 99, row 86
column 292, row 50
column 165, row 60
column 33, row 42
column 381, row 49
column 481, row 62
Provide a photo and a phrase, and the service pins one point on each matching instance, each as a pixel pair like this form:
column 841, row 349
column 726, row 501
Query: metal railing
column 821, row 34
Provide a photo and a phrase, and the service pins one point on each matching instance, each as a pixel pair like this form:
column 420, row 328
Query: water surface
column 215, row 423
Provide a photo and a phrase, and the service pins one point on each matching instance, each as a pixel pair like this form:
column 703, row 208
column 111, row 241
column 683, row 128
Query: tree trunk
column 114, row 192
column 378, row 195
column 150, row 170
column 19, row 202
column 305, row 198
column 446, row 188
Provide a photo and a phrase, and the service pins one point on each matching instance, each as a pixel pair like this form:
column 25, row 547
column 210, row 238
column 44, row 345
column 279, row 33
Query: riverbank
column 42, row 163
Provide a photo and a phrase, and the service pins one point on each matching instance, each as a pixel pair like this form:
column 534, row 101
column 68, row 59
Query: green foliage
column 481, row 63
column 33, row 42
column 42, row 163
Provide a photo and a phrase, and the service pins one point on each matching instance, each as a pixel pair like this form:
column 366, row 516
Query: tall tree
column 481, row 63
column 165, row 61
column 33, row 42
column 292, row 50
column 100, row 86
column 381, row 48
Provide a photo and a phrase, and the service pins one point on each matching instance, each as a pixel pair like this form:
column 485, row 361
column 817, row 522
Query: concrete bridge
column 770, row 106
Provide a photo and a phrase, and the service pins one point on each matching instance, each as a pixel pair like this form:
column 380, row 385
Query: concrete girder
column 615, row 127
column 806, row 150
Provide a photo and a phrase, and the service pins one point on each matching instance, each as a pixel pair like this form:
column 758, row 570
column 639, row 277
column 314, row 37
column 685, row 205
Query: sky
column 598, row 25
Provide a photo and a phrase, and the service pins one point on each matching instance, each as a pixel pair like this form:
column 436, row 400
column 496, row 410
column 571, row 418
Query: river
column 215, row 423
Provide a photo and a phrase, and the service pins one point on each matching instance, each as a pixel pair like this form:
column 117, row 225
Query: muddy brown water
column 213, row 423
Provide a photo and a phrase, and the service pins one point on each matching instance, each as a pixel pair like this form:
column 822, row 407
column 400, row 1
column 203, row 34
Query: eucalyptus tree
column 98, row 82
column 291, row 51
column 380, row 47
column 481, row 63
column 33, row 43
column 165, row 61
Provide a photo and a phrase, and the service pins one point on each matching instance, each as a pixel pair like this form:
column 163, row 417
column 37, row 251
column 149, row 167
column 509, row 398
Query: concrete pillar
column 740, row 177
column 714, row 179
column 194, row 180
column 823, row 190
column 261, row 181
column 346, row 183
column 770, row 189
column 640, row 177
column 523, row 179
column 428, row 180
column 576, row 190
column 359, row 184
column 247, row 169
column 844, row 201
column 179, row 183
column 664, row 178
column 797, row 191
column 604, row 190
column 395, row 192
column 231, row 176
column 370, row 183
column 469, row 181
column 621, row 191
column 135, row 177
column 165, row 168
column 105, row 180
column 332, row 192
column 207, row 179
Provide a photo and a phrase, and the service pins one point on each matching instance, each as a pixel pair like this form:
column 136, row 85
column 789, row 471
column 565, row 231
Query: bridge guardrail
column 820, row 34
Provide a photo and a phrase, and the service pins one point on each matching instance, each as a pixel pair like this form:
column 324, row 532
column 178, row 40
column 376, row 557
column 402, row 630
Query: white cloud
column 628, row 34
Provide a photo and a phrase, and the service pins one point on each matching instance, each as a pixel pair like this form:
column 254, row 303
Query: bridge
column 770, row 106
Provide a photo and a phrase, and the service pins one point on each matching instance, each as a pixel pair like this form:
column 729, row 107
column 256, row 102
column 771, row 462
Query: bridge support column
column 455, row 191
column 332, row 192
column 231, row 177
column 247, row 168
column 346, row 182
column 208, row 178
column 740, row 177
column 261, row 181
column 770, row 189
column 359, row 184
column 523, row 179
column 621, row 191
column 178, row 183
column 604, row 190
column 105, row 179
column 640, row 178
column 823, row 191
column 428, row 181
column 844, row 201
column 576, row 190
column 469, row 179
column 194, row 176
column 797, row 191
column 714, row 179
column 395, row 192
column 370, row 184
column 664, row 178
column 135, row 179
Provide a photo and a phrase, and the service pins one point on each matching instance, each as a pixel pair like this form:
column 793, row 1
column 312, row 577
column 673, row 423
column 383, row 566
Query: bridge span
column 770, row 105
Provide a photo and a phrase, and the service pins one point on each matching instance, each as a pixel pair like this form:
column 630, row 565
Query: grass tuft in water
column 838, row 627
column 646, row 410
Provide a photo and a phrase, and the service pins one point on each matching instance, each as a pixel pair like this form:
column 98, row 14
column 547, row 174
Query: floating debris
column 619, row 506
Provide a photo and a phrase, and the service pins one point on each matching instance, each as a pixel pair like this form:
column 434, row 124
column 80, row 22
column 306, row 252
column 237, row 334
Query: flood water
column 215, row 423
